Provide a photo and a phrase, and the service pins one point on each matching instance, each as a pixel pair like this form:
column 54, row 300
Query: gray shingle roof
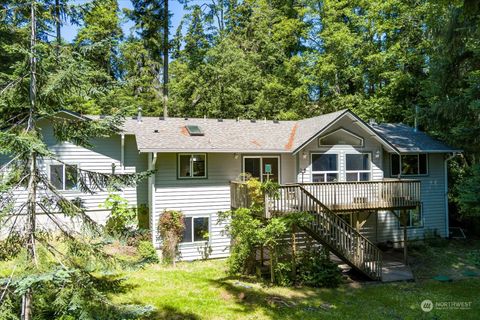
column 405, row 139
column 153, row 134
column 229, row 135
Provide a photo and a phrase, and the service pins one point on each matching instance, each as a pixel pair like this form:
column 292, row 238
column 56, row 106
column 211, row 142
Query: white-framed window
column 262, row 167
column 358, row 167
column 196, row 229
column 409, row 164
column 324, row 167
column 192, row 165
column 64, row 177
column 412, row 216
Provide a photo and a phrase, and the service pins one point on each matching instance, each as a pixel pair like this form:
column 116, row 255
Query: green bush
column 143, row 217
column 316, row 270
column 147, row 252
column 122, row 217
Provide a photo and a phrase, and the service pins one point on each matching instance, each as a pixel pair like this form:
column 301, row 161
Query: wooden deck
column 339, row 196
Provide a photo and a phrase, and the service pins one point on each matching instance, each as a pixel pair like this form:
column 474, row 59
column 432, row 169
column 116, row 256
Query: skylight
column 194, row 130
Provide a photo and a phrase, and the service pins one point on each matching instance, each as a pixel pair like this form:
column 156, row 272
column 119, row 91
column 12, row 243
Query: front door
column 262, row 168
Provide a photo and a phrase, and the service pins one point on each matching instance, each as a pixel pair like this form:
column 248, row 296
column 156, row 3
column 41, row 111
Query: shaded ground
column 456, row 259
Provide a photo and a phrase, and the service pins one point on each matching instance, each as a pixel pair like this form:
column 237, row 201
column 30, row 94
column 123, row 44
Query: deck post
column 405, row 256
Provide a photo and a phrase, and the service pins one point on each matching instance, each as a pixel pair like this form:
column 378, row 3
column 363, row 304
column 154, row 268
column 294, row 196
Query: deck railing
column 365, row 195
column 341, row 196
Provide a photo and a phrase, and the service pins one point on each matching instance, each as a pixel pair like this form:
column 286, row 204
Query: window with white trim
column 324, row 167
column 409, row 164
column 196, row 229
column 192, row 165
column 64, row 177
column 358, row 167
column 413, row 217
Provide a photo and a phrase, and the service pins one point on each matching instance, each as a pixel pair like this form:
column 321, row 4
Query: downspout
column 122, row 158
column 447, row 227
column 122, row 153
column 152, row 161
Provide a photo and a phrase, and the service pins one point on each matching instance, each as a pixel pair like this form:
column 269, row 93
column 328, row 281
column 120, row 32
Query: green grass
column 202, row 290
column 452, row 258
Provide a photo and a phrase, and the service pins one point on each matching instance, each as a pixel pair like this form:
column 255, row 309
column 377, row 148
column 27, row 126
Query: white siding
column 371, row 146
column 433, row 206
column 198, row 198
column 99, row 158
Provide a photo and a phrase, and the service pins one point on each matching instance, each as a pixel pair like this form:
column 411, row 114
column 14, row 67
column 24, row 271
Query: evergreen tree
column 49, row 83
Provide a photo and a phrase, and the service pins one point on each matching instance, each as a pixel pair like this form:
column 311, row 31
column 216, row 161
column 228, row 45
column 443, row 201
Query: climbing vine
column 171, row 226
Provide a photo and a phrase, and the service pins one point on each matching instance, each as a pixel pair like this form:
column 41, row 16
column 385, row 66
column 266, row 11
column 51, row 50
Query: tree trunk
column 27, row 299
column 57, row 25
column 165, row 60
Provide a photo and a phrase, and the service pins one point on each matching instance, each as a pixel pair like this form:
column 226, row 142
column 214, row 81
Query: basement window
column 196, row 229
column 413, row 217
column 194, row 130
column 192, row 165
column 64, row 177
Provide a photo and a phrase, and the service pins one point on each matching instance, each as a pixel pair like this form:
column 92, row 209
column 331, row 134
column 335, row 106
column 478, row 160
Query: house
column 365, row 173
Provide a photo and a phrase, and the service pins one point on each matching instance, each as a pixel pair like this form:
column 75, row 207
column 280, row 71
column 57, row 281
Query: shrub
column 316, row 270
column 147, row 252
column 170, row 227
column 143, row 217
column 122, row 217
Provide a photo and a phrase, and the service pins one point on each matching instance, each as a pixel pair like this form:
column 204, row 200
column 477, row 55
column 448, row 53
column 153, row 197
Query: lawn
column 202, row 290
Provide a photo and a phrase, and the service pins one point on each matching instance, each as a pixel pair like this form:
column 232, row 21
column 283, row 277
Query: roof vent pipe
column 139, row 117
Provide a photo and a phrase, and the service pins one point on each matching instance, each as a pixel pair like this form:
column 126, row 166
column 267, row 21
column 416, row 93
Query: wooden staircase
column 328, row 229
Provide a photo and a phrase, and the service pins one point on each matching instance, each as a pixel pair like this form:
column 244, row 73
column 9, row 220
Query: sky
column 70, row 31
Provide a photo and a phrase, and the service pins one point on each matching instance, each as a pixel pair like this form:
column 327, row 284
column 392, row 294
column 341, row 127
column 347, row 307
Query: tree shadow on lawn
column 285, row 303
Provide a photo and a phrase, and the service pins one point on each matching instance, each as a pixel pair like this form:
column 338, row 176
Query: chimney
column 139, row 117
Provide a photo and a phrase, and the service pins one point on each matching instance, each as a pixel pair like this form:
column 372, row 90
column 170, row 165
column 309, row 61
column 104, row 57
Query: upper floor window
column 357, row 167
column 410, row 164
column 263, row 168
column 64, row 177
column 192, row 166
column 324, row 167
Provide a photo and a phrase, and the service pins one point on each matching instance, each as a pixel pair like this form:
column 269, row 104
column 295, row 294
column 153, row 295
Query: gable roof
column 407, row 140
column 155, row 134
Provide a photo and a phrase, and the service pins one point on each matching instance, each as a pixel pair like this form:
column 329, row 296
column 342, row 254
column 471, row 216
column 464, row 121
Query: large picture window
column 192, row 165
column 64, row 177
column 324, row 167
column 407, row 165
column 196, row 229
column 357, row 167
